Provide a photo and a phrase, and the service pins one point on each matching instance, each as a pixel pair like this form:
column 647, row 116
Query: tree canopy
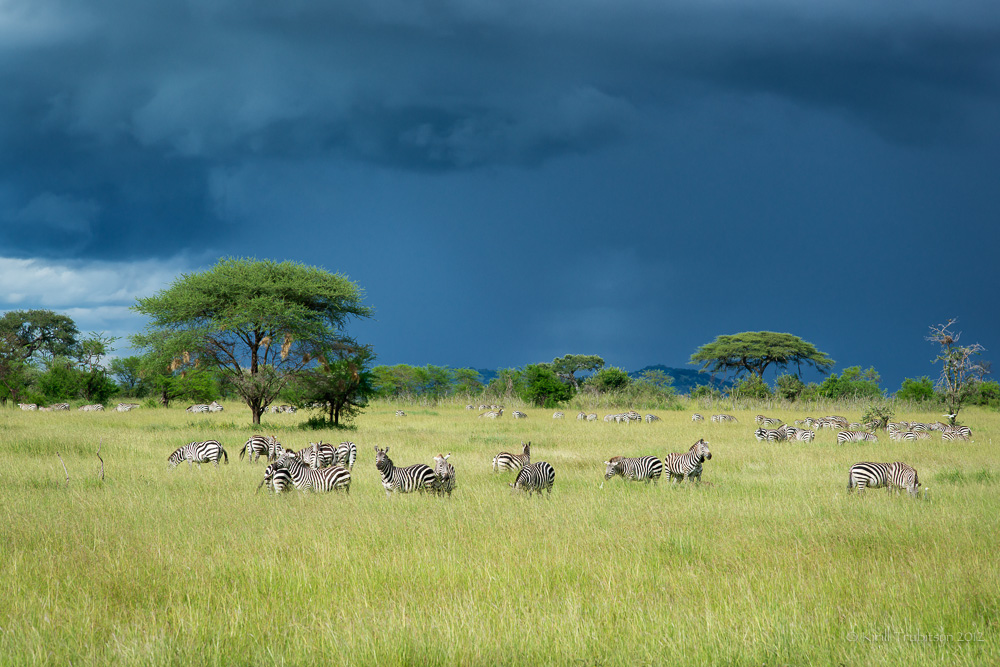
column 960, row 368
column 567, row 366
column 257, row 321
column 754, row 351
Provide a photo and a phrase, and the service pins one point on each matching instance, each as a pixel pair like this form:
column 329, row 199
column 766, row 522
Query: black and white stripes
column 209, row 451
column 645, row 468
column 687, row 465
column 535, row 478
column 507, row 461
column 417, row 477
column 309, row 479
column 893, row 476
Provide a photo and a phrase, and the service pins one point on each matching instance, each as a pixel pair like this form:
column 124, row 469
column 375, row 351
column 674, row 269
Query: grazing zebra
column 96, row 407
column 645, row 468
column 957, row 433
column 652, row 418
column 255, row 447
column 592, row 417
column 767, row 421
column 347, row 454
column 60, row 406
column 801, row 434
column 493, row 414
column 581, row 415
column 508, row 461
column 519, row 415
column 198, row 452
column 893, row 476
column 855, row 436
column 697, row 417
column 323, row 480
column 215, row 406
column 400, row 413
column 418, row 477
column 277, row 478
column 535, row 477
column 688, row 465
column 28, row 406
column 718, row 419
column 611, row 418
column 125, row 407
column 444, row 474
column 904, row 435
column 558, row 415
column 199, row 407
column 771, row 434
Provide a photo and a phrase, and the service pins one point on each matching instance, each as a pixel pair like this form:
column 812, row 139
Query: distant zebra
column 581, row 415
column 611, row 418
column 697, row 417
column 444, row 474
column 60, row 406
column 96, row 407
column 645, row 468
column 905, row 436
column 417, row 477
column 508, row 461
column 198, row 452
column 957, row 433
column 652, row 418
column 632, row 416
column 771, row 434
column 558, row 415
column 347, row 454
column 493, row 414
column 767, row 421
column 215, row 406
column 519, row 415
column 199, row 407
column 893, row 476
column 920, row 426
column 278, row 479
column 688, row 465
column 535, row 477
column 126, row 407
column 855, row 436
column 31, row 407
column 322, row 480
column 400, row 413
column 718, row 419
column 801, row 434
column 592, row 417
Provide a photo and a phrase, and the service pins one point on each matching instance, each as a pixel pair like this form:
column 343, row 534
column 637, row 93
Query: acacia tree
column 257, row 321
column 567, row 366
column 341, row 383
column 960, row 370
column 26, row 336
column 754, row 351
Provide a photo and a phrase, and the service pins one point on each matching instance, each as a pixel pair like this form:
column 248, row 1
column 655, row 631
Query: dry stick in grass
column 64, row 468
column 100, row 475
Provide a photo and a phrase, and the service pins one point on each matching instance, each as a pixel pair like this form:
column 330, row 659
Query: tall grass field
column 768, row 562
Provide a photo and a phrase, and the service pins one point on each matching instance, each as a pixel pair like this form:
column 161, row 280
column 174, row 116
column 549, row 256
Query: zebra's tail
column 850, row 482
column 225, row 455
column 243, row 453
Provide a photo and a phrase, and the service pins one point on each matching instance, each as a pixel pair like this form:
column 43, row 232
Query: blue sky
column 514, row 181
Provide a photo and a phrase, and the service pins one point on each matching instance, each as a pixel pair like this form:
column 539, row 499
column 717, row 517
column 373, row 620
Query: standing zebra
column 652, row 418
column 261, row 445
column 418, row 477
column 400, row 413
column 767, row 421
column 957, row 433
column 318, row 455
column 519, row 415
column 508, row 461
column 697, row 417
column 688, row 465
column 718, row 419
column 645, row 468
column 535, row 477
column 277, row 479
column 198, row 452
column 771, row 434
column 347, row 454
column 801, row 434
column 855, row 436
column 305, row 478
column 444, row 473
column 558, row 415
column 893, row 476
column 581, row 415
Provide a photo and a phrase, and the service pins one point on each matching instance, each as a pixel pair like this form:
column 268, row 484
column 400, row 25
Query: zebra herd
column 679, row 466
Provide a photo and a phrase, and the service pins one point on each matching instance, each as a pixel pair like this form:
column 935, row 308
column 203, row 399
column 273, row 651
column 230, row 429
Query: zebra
column 31, row 407
column 400, row 413
column 904, row 435
column 318, row 455
column 96, row 407
column 198, row 407
column 645, row 468
column 417, row 477
column 559, row 415
column 581, row 415
column 771, row 434
column 215, row 406
column 60, row 406
column 198, row 452
column 508, row 461
column 592, row 417
column 611, row 418
column 855, row 436
column 652, row 418
column 697, row 417
column 688, row 465
column 893, row 476
column 801, row 434
column 535, row 477
column 256, row 446
column 323, row 480
column 277, row 478
column 347, row 454
column 767, row 421
column 957, row 433
column 519, row 415
column 444, row 474
column 125, row 407
column 493, row 414
column 718, row 419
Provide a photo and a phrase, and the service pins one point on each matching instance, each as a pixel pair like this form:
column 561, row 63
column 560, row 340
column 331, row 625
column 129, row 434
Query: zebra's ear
column 447, row 455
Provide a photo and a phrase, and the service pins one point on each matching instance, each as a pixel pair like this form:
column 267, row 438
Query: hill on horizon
column 685, row 379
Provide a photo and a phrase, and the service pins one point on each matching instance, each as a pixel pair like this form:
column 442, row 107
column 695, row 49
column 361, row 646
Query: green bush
column 752, row 388
column 917, row 391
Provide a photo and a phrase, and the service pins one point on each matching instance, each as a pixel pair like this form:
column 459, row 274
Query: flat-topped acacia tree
column 256, row 321
column 753, row 351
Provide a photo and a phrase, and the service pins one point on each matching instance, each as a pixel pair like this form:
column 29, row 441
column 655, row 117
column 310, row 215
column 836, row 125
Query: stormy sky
column 513, row 181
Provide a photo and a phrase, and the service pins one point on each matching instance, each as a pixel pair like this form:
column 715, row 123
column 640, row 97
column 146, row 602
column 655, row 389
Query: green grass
column 769, row 562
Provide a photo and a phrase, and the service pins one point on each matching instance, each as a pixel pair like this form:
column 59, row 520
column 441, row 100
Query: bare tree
column 960, row 369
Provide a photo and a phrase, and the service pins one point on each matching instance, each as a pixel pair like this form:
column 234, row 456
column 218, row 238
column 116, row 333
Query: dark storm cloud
column 116, row 113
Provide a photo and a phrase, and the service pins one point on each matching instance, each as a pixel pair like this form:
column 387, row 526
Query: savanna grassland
column 770, row 561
